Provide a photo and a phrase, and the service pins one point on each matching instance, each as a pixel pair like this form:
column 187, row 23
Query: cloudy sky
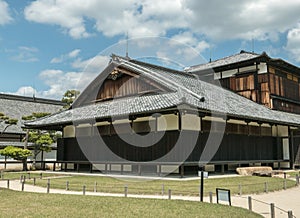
column 49, row 46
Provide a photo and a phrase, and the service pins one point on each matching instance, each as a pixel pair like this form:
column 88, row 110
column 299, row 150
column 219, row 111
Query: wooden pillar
column 291, row 148
column 179, row 116
column 159, row 169
column 182, row 171
column 77, row 167
column 91, row 168
column 122, row 169
column 66, row 166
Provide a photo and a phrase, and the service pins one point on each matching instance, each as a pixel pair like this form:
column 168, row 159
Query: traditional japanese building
column 274, row 83
column 16, row 107
column 138, row 117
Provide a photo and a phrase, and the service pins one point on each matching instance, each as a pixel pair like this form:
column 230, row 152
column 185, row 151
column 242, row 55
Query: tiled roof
column 242, row 56
column 17, row 106
column 187, row 89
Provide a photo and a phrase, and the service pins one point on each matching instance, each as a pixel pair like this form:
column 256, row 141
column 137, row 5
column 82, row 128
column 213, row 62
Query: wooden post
column 201, row 185
column 240, row 189
column 169, row 194
column 284, row 184
column 5, row 159
column 21, row 178
column 122, row 169
column 54, row 165
column 67, row 186
column 83, row 190
column 290, row 214
column 95, row 187
column 125, row 191
column 297, row 179
column 48, row 186
column 22, row 186
column 65, row 167
column 8, row 183
column 266, row 187
column 250, row 203
column 210, row 197
column 139, row 169
column 41, row 175
column 272, row 210
column 91, row 168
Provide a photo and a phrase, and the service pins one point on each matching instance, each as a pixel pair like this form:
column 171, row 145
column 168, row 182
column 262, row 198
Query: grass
column 22, row 204
column 249, row 184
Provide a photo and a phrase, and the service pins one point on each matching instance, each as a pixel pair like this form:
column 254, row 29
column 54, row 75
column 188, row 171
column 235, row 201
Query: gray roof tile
column 187, row 89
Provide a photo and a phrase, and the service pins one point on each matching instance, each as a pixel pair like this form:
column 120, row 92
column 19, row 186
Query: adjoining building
column 16, row 107
column 137, row 117
column 274, row 83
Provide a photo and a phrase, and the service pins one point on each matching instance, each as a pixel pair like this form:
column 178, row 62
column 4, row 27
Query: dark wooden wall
column 233, row 148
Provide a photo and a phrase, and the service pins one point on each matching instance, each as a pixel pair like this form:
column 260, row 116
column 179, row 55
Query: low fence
column 165, row 191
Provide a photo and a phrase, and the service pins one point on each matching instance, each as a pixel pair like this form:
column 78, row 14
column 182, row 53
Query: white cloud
column 95, row 64
column 24, row 54
column 4, row 13
column 293, row 43
column 26, row 91
column 221, row 20
column 58, row 81
column 64, row 57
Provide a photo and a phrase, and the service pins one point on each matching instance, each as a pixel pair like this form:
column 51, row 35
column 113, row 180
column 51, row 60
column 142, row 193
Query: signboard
column 223, row 195
column 205, row 174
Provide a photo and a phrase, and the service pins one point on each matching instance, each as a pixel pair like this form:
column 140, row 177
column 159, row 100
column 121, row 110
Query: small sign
column 223, row 195
column 205, row 174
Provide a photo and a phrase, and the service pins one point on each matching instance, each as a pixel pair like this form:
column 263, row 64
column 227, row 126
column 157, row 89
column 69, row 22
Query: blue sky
column 48, row 46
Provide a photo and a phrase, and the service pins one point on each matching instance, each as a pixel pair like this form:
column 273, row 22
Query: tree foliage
column 15, row 153
column 69, row 97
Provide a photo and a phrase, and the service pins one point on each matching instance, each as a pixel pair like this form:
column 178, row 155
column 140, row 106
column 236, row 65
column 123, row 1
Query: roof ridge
column 30, row 99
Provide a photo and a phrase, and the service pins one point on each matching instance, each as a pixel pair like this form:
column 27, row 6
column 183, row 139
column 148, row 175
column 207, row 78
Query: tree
column 69, row 97
column 17, row 154
column 41, row 140
column 8, row 121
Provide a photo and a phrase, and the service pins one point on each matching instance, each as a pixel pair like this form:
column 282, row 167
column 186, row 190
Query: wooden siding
column 126, row 85
column 233, row 148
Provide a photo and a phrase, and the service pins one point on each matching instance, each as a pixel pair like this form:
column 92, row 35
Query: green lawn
column 249, row 184
column 22, row 204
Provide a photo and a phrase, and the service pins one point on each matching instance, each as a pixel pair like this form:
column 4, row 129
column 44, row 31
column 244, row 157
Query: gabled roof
column 241, row 58
column 186, row 89
column 17, row 106
column 236, row 58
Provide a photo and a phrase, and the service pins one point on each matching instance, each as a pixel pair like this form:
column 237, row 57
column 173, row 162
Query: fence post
column 95, row 187
column 250, row 203
column 240, row 189
column 21, row 178
column 41, row 175
column 8, row 183
column 266, row 187
column 297, row 179
column 24, row 178
column 34, row 180
column 162, row 189
column 210, row 197
column 83, row 190
column 290, row 214
column 125, row 191
column 48, row 186
column 284, row 184
column 272, row 210
column 67, row 186
column 22, row 187
column 169, row 193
